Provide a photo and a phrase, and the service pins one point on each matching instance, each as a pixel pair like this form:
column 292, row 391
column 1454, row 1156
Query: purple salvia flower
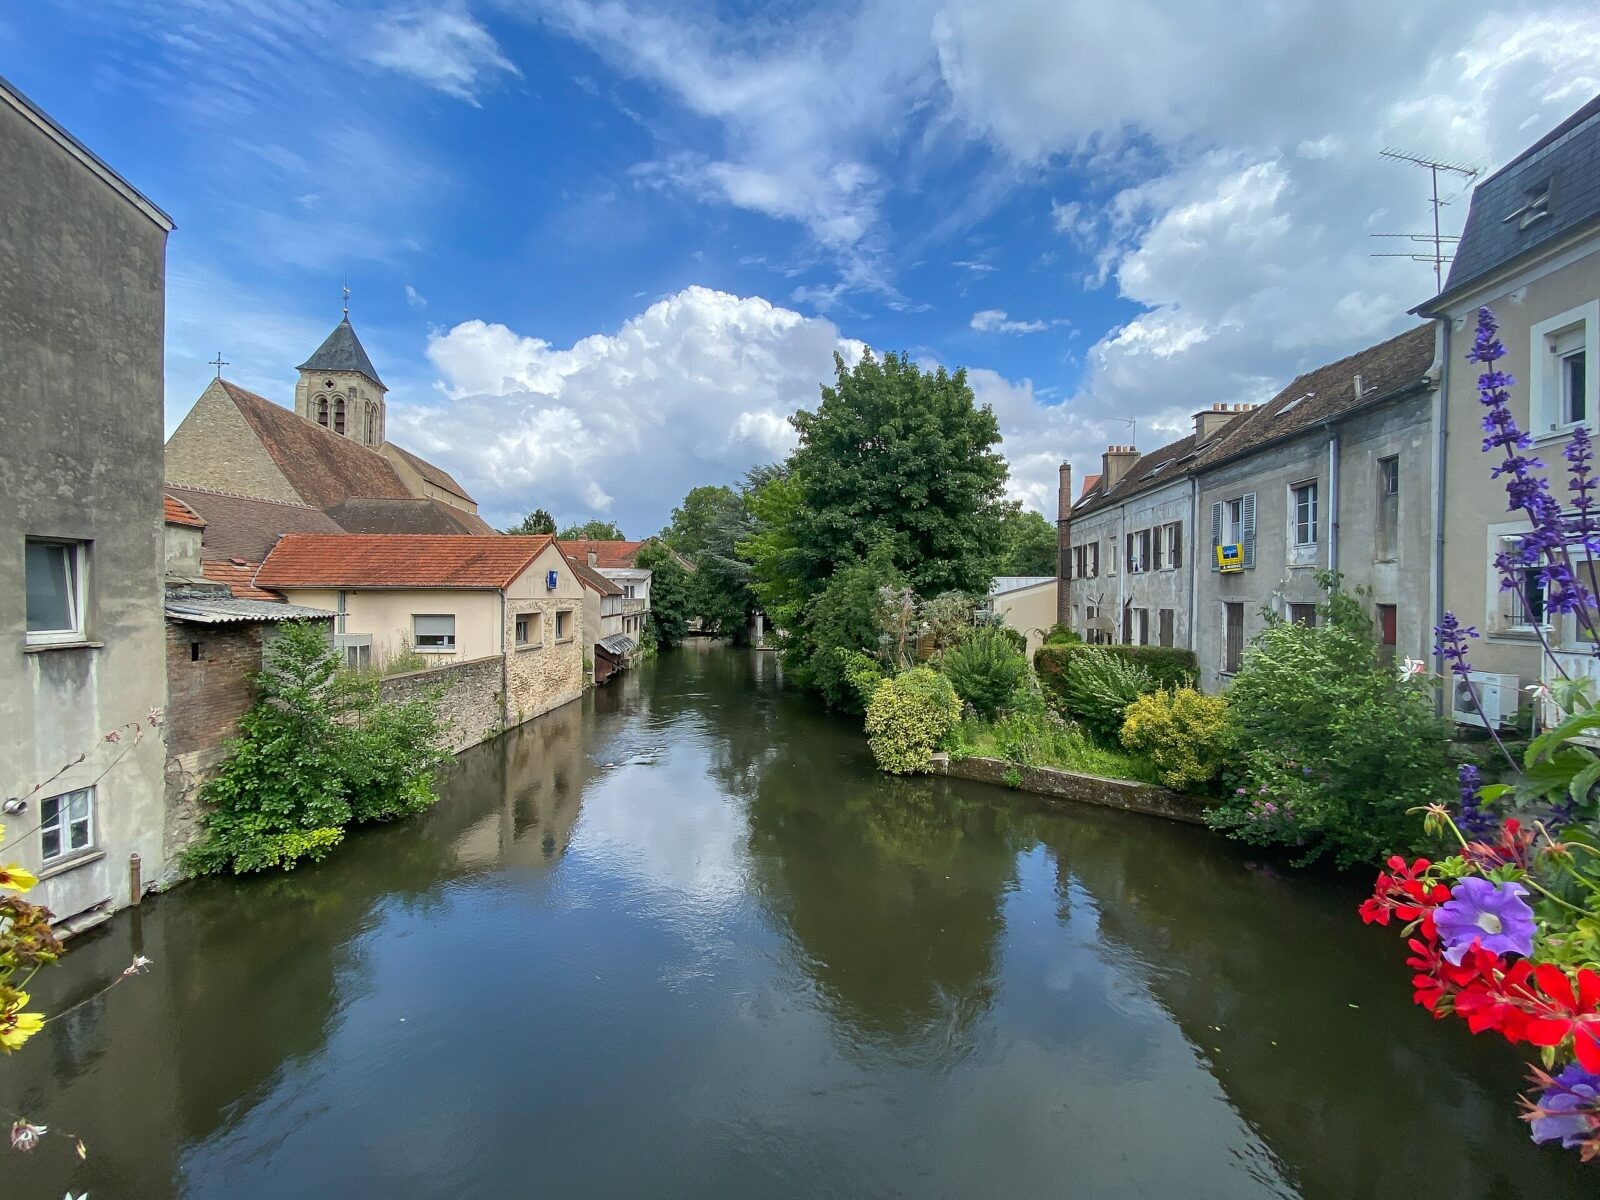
column 1474, row 820
column 1450, row 643
column 1566, row 1108
column 1493, row 915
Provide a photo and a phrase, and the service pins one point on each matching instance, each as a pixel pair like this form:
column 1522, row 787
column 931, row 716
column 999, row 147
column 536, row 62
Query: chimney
column 1064, row 494
column 1114, row 464
column 1209, row 422
column 1063, row 545
column 594, row 559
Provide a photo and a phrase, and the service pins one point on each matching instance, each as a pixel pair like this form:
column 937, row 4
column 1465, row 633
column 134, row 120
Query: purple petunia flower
column 1492, row 914
column 1573, row 1095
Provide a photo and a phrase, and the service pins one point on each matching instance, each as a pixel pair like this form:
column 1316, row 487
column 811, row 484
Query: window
column 1113, row 569
column 434, row 634
column 1141, row 626
column 1175, row 545
column 358, row 657
column 66, row 824
column 1233, row 523
column 338, row 414
column 629, row 591
column 1232, row 637
column 1139, row 551
column 1388, row 508
column 1158, row 548
column 1303, row 513
column 1303, row 614
column 563, row 624
column 1387, row 625
column 1164, row 626
column 1535, row 206
column 1527, row 599
column 530, row 629
column 54, row 585
column 1574, row 376
column 1561, row 376
column 194, row 651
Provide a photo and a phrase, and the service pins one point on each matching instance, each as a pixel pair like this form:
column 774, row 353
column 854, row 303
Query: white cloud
column 415, row 298
column 443, row 47
column 995, row 320
column 697, row 388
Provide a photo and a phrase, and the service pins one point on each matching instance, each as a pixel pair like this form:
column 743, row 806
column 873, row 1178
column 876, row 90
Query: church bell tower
column 339, row 388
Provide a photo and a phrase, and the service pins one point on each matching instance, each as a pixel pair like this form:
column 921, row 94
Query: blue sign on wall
column 550, row 580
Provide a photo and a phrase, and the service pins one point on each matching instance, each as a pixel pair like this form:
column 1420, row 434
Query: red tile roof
column 592, row 580
column 1088, row 485
column 607, row 554
column 239, row 526
column 176, row 512
column 238, row 578
column 398, row 560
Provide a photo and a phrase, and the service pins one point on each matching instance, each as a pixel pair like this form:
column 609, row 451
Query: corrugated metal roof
column 618, row 644
column 225, row 610
column 1001, row 584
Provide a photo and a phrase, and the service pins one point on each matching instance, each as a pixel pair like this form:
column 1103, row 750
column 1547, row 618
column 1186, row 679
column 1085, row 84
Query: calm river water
column 680, row 940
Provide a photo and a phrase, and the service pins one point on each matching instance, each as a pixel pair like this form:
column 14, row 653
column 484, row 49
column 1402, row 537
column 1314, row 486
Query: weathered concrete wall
column 472, row 703
column 1085, row 789
column 215, row 447
column 1116, row 587
column 82, row 305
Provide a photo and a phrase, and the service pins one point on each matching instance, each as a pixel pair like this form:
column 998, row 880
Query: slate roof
column 352, row 560
column 418, row 514
column 246, row 527
column 176, row 512
column 226, row 610
column 437, row 476
column 342, row 350
column 613, row 555
column 238, row 576
column 1148, row 470
column 592, row 580
column 1568, row 159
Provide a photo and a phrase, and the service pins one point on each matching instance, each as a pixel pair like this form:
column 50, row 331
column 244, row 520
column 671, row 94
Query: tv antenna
column 1133, row 428
column 1438, row 240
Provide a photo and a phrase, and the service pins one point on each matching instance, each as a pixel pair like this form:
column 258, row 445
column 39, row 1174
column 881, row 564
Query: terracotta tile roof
column 607, row 554
column 592, row 580
column 176, row 512
column 354, row 560
column 246, row 527
column 1089, row 484
column 323, row 467
column 420, row 514
column 437, row 476
column 238, row 577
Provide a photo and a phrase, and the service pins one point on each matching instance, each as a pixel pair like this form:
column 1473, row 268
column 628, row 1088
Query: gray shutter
column 1216, row 533
column 1247, row 535
column 1177, row 544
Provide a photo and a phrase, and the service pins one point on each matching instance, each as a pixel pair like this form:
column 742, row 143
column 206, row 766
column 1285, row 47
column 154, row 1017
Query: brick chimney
column 1114, row 464
column 1208, row 422
column 1063, row 545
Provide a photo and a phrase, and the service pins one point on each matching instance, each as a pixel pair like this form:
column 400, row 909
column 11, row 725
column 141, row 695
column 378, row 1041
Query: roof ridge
column 191, row 487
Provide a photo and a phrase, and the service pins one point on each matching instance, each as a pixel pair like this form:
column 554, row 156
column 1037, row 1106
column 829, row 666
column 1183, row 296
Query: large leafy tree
column 1027, row 542
column 594, row 530
column 671, row 601
column 538, row 521
column 707, row 529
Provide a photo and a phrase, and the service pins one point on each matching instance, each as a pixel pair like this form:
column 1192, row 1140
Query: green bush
column 1098, row 686
column 1182, row 732
column 1169, row 666
column 844, row 615
column 1039, row 738
column 320, row 749
column 1331, row 749
column 910, row 714
column 1060, row 635
column 985, row 668
column 862, row 673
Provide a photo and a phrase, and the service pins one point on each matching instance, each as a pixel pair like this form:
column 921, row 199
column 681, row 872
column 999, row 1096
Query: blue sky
column 599, row 251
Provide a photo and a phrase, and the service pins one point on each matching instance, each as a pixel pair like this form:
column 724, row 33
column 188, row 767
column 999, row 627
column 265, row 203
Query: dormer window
column 1535, row 206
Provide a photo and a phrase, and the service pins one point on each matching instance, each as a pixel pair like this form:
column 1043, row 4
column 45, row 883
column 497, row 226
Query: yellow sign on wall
column 1230, row 557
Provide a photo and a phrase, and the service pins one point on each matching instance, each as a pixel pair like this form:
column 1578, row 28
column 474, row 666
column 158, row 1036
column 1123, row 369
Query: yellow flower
column 17, row 1027
column 15, row 878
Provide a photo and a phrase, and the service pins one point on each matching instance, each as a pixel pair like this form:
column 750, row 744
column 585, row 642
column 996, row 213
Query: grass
column 1045, row 741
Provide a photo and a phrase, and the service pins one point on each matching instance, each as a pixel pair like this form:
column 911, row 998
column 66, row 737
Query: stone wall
column 1085, row 789
column 472, row 703
column 548, row 673
column 215, row 447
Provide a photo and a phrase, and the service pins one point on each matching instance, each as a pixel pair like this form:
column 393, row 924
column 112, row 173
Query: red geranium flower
column 1567, row 1011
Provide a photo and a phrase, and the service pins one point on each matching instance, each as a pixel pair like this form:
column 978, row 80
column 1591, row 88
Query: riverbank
column 1054, row 783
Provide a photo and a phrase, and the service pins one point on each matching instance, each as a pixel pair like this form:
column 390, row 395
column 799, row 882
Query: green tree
column 707, row 529
column 594, row 530
column 693, row 521
column 843, row 621
column 670, row 593
column 538, row 521
column 1027, row 542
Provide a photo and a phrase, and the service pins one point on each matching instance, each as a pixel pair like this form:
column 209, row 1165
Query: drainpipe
column 1194, row 554
column 505, row 667
column 1333, row 497
column 1441, row 421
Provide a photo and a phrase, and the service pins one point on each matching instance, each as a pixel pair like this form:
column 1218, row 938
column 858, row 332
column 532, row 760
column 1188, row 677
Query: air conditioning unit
column 1497, row 694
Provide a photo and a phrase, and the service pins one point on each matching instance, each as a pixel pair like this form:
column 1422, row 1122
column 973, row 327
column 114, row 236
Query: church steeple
column 339, row 387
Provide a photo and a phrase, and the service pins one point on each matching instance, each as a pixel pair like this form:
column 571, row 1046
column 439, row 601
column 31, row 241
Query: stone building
column 619, row 562
column 504, row 614
column 82, row 304
column 1530, row 251
column 609, row 646
column 1335, row 473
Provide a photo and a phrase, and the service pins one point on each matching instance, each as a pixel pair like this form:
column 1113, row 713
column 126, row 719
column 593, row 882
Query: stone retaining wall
column 1086, row 789
column 472, row 707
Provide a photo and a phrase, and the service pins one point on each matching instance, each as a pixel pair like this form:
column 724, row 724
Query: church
column 254, row 469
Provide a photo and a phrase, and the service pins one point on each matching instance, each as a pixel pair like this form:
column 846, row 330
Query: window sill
column 60, row 866
column 1513, row 635
column 42, row 647
column 566, row 641
column 521, row 646
column 434, row 649
column 1559, row 434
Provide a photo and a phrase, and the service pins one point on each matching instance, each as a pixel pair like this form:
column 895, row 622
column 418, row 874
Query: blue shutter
column 1247, row 532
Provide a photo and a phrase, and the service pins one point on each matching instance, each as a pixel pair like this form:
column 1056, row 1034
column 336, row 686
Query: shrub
column 908, row 717
column 1099, row 686
column 985, row 668
column 319, row 750
column 862, row 673
column 845, row 615
column 1060, row 635
column 1182, row 732
column 1331, row 746
column 1168, row 665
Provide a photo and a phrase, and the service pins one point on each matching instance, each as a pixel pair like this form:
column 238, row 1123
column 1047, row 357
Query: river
column 681, row 940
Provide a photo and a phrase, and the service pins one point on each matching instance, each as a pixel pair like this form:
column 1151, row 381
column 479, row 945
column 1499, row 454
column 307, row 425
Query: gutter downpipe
column 1441, row 419
column 1194, row 557
column 1333, row 500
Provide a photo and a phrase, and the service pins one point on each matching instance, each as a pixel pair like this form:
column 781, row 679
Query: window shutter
column 1177, row 544
column 1216, row 533
column 1247, row 534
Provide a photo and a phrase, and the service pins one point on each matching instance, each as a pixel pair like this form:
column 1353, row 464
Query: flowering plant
column 1505, row 932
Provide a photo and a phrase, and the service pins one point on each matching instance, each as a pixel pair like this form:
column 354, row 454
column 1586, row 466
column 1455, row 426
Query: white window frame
column 62, row 823
column 535, row 620
column 1502, row 538
column 1173, row 537
column 1549, row 342
column 416, row 638
column 77, row 594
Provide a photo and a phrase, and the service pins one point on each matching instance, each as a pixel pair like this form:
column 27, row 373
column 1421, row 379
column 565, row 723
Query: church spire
column 339, row 387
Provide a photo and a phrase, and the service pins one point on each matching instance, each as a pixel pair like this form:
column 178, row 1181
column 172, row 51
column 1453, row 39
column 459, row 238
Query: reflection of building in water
column 535, row 772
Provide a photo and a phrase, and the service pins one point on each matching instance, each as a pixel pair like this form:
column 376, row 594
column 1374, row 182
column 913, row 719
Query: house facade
column 511, row 606
column 618, row 561
column 608, row 645
column 1333, row 474
column 1025, row 603
column 82, row 304
column 1530, row 251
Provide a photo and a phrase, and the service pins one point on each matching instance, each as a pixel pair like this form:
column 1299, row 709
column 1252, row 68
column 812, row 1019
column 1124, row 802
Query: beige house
column 604, row 620
column 451, row 600
column 1530, row 251
column 82, row 300
column 1026, row 603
